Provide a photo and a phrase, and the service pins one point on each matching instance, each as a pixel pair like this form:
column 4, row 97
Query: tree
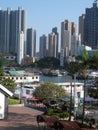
column 85, row 60
column 72, row 68
column 85, row 55
column 1, row 68
column 8, row 83
column 47, row 62
column 93, row 61
column 1, row 72
column 49, row 92
column 84, row 66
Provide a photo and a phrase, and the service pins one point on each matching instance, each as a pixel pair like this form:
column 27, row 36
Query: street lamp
column 75, row 97
column 20, row 92
column 85, row 73
column 70, row 107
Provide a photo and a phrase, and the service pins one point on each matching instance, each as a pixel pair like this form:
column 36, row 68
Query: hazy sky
column 43, row 15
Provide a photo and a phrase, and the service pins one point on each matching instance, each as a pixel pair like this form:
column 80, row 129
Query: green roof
column 17, row 73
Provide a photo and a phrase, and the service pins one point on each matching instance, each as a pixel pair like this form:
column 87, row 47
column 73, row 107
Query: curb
column 16, row 105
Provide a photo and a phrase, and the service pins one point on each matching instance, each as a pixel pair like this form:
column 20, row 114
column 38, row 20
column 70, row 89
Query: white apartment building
column 68, row 39
column 77, row 88
column 20, row 54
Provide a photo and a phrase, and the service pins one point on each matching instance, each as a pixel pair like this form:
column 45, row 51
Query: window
column 12, row 77
column 36, row 77
column 27, row 91
column 20, row 77
column 78, row 94
column 12, row 58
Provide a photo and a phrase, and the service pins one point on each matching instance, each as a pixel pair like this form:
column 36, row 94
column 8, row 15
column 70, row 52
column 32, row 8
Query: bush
column 58, row 113
column 13, row 101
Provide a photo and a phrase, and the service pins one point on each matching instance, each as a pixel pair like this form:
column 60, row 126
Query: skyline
column 46, row 14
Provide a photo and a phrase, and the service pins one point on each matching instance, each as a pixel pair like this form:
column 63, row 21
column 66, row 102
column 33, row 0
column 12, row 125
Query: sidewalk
column 20, row 118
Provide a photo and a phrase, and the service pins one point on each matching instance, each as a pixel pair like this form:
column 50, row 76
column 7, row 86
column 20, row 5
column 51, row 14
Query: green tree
column 93, row 61
column 85, row 60
column 50, row 92
column 85, row 55
column 1, row 72
column 72, row 68
column 47, row 62
column 1, row 68
column 8, row 83
column 84, row 67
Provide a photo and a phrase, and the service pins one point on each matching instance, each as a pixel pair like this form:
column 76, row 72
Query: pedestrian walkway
column 20, row 118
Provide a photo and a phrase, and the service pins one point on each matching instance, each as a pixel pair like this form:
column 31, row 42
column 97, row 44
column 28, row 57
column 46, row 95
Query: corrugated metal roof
column 17, row 73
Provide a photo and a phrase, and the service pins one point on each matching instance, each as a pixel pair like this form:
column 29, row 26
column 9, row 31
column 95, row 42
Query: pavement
column 20, row 118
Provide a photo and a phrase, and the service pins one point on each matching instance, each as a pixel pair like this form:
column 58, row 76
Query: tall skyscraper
column 68, row 30
column 12, row 22
column 20, row 51
column 91, row 26
column 5, row 30
column 18, row 24
column 31, row 42
column 43, row 46
column 53, row 39
column 81, row 28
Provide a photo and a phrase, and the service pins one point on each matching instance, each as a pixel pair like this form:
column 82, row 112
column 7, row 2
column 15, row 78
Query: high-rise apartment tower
column 12, row 22
column 43, row 46
column 91, row 26
column 68, row 30
column 53, row 41
column 31, row 42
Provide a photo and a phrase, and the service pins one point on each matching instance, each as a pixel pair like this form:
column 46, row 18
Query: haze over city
column 43, row 15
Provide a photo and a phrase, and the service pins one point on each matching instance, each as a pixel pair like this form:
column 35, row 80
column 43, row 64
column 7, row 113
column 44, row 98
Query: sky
column 43, row 15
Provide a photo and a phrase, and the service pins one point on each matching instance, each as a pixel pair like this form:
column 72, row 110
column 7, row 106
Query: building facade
column 43, row 46
column 31, row 42
column 20, row 49
column 81, row 27
column 12, row 22
column 68, row 38
column 53, row 41
column 91, row 26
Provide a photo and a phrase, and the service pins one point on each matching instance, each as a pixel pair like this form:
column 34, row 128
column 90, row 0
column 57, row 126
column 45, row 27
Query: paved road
column 20, row 118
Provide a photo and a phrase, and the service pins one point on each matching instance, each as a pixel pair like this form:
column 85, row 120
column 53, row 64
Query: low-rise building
column 4, row 94
column 77, row 91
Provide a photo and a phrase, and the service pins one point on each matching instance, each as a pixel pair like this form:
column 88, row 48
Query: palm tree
column 72, row 68
column 85, row 73
column 84, row 67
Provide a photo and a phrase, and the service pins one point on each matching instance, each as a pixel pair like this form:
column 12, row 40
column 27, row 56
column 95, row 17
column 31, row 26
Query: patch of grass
column 13, row 101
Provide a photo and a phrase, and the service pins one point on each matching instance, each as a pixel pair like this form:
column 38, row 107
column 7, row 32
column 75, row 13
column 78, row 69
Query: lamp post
column 20, row 93
column 85, row 73
column 70, row 107
column 75, row 95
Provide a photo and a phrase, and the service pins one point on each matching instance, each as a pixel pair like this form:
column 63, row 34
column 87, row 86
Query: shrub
column 58, row 113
